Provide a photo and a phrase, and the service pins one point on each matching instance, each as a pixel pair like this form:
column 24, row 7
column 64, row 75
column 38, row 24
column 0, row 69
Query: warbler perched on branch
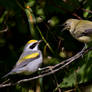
column 79, row 29
column 29, row 61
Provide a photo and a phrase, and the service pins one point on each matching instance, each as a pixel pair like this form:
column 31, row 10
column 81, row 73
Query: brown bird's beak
column 65, row 27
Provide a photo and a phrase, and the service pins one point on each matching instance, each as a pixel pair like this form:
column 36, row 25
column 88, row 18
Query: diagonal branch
column 50, row 69
column 4, row 30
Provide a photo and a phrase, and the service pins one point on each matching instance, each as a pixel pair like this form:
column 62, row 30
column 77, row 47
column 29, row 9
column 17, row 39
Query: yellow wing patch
column 33, row 55
column 30, row 41
column 30, row 56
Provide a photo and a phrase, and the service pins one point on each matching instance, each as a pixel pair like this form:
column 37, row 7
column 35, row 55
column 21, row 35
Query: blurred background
column 43, row 19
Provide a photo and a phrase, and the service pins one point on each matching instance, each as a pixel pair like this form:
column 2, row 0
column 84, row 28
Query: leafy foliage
column 31, row 19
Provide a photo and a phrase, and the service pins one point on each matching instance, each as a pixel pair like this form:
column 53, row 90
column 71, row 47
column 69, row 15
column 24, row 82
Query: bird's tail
column 6, row 75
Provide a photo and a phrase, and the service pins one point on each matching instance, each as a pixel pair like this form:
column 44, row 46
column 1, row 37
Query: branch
column 4, row 30
column 50, row 69
column 86, row 10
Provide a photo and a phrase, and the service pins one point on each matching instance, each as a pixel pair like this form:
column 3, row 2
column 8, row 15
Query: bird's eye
column 65, row 24
column 33, row 45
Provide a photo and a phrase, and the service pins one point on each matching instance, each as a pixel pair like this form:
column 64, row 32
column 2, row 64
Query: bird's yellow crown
column 31, row 41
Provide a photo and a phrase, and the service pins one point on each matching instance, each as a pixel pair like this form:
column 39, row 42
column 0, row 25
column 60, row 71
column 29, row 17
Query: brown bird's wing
column 85, row 33
column 88, row 32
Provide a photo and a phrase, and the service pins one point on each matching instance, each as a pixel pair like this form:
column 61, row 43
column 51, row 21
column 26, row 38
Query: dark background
column 20, row 17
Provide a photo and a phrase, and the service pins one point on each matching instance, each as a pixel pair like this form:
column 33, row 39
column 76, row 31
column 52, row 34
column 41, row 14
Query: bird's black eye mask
column 33, row 45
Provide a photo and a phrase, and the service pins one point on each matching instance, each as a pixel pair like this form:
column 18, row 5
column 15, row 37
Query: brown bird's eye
column 65, row 24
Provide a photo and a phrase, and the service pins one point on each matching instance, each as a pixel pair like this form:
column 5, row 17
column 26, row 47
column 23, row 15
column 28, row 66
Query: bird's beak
column 40, row 41
column 64, row 27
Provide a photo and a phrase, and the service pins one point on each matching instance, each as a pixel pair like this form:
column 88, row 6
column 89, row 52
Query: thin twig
column 86, row 10
column 4, row 30
column 58, row 88
column 55, row 68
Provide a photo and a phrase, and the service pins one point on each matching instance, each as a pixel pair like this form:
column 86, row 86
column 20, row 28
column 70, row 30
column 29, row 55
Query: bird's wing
column 25, row 59
column 85, row 30
column 88, row 32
